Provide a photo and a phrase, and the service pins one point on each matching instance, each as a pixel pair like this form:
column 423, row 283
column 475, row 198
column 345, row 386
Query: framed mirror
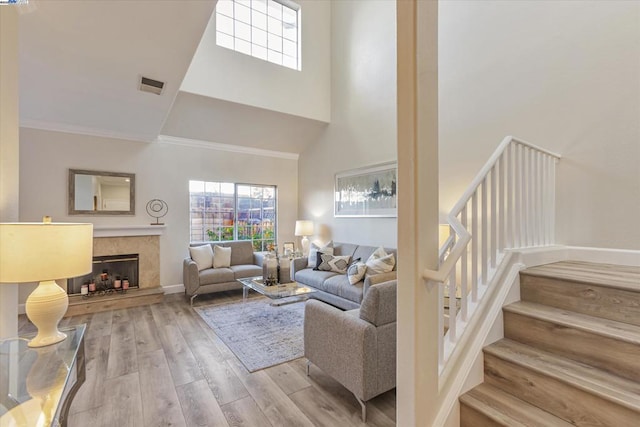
column 101, row 193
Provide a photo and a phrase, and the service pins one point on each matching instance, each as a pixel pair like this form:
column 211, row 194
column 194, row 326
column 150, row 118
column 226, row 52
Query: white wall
column 162, row 171
column 363, row 127
column 564, row 75
column 222, row 73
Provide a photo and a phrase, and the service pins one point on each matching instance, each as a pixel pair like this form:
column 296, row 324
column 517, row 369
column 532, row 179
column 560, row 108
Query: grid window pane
column 250, row 26
column 243, row 31
column 225, row 7
column 274, row 26
column 224, row 24
column 290, row 62
column 243, row 46
column 242, row 13
column 274, row 43
column 289, row 48
column 259, row 37
column 259, row 20
column 259, row 5
column 259, row 51
column 275, row 57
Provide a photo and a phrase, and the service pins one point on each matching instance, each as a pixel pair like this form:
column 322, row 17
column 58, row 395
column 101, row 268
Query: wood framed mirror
column 101, row 193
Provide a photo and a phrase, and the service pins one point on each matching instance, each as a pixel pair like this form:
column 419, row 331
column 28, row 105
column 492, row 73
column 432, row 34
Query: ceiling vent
column 150, row 85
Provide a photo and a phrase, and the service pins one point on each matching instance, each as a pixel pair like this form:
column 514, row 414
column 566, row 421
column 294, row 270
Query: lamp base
column 46, row 305
column 305, row 245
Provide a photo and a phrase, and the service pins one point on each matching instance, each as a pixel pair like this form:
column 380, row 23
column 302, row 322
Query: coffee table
column 282, row 294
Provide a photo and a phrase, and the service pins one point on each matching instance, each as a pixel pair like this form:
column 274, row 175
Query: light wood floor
column 161, row 365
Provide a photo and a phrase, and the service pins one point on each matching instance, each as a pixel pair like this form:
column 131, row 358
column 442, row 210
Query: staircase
column 571, row 352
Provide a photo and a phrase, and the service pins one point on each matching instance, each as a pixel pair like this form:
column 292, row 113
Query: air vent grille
column 150, row 85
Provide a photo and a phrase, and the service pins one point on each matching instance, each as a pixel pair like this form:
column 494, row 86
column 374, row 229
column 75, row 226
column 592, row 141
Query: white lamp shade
column 304, row 228
column 33, row 252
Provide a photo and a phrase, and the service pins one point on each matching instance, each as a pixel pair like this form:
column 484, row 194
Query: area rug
column 259, row 334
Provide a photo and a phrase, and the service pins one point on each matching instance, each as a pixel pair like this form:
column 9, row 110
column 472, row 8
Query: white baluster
column 484, row 252
column 494, row 217
column 510, row 190
column 502, row 216
column 474, row 246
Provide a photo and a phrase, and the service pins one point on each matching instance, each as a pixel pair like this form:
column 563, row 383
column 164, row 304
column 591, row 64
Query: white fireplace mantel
column 127, row 230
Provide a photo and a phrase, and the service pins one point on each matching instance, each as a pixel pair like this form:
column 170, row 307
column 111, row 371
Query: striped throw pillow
column 380, row 262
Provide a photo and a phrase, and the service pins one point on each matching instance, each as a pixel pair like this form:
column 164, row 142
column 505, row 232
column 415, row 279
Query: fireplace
column 109, row 273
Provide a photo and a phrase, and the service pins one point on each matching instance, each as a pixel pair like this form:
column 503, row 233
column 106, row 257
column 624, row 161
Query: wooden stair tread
column 596, row 325
column 507, row 410
column 607, row 386
column 617, row 276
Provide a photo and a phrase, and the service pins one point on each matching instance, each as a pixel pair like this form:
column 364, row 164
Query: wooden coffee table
column 281, row 294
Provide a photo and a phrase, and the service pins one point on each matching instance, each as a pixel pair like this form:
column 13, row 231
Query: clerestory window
column 265, row 29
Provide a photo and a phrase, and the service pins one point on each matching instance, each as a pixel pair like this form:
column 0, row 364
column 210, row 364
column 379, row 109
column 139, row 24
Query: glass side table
column 37, row 385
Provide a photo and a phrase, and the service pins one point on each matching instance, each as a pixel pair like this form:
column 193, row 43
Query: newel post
column 417, row 379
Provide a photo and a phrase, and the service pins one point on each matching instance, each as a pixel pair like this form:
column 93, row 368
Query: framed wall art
column 367, row 192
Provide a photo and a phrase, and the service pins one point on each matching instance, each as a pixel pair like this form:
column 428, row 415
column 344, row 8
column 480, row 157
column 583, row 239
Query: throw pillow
column 337, row 264
column 380, row 262
column 356, row 271
column 313, row 253
column 202, row 255
column 221, row 257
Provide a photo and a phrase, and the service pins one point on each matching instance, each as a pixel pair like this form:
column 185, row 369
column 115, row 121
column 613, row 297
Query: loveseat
column 201, row 277
column 357, row 347
column 334, row 288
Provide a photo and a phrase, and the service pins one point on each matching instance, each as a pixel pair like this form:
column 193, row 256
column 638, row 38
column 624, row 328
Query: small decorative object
column 104, row 275
column 84, row 290
column 125, row 283
column 117, row 283
column 270, row 270
column 287, row 249
column 157, row 208
column 92, row 286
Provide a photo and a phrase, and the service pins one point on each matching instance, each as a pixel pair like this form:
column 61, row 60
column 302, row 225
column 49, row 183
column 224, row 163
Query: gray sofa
column 334, row 288
column 244, row 263
column 358, row 347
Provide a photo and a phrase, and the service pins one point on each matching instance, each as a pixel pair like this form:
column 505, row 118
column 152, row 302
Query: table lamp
column 304, row 228
column 43, row 252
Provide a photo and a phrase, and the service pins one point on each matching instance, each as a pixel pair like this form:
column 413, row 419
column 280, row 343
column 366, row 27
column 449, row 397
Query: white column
column 9, row 152
column 417, row 373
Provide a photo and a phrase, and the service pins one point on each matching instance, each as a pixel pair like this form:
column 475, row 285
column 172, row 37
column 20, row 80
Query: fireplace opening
column 111, row 272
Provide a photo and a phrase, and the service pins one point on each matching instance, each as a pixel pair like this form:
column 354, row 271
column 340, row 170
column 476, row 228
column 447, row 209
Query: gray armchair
column 358, row 347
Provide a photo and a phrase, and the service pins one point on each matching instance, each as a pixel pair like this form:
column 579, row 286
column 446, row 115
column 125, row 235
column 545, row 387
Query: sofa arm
column 258, row 258
column 191, row 276
column 378, row 278
column 342, row 345
column 298, row 264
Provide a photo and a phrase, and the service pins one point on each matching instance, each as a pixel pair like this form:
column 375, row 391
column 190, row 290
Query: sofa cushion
column 221, row 256
column 355, row 272
column 336, row 263
column 380, row 262
column 309, row 277
column 345, row 249
column 379, row 305
column 313, row 253
column 365, row 252
column 246, row 270
column 241, row 252
column 339, row 285
column 216, row 275
column 202, row 255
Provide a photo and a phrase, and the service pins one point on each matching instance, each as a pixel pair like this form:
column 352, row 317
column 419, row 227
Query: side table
column 37, row 385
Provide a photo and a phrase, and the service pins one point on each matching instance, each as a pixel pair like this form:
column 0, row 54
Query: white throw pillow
column 221, row 257
column 380, row 262
column 202, row 255
column 356, row 271
column 313, row 253
column 337, row 264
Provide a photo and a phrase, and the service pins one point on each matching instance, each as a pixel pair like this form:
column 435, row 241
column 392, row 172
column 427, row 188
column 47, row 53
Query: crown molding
column 196, row 143
column 103, row 133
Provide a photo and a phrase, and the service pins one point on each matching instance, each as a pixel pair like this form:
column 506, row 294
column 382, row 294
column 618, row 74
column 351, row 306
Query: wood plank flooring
column 161, row 365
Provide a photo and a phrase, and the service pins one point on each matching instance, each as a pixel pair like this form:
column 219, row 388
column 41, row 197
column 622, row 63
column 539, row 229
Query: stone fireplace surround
column 116, row 240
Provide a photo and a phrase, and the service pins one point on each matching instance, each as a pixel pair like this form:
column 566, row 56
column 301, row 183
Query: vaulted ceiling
column 81, row 62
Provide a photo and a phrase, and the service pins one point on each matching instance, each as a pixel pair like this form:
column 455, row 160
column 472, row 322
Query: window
column 265, row 29
column 222, row 211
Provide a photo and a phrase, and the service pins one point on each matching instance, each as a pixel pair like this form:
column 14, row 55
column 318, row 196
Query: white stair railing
column 509, row 205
